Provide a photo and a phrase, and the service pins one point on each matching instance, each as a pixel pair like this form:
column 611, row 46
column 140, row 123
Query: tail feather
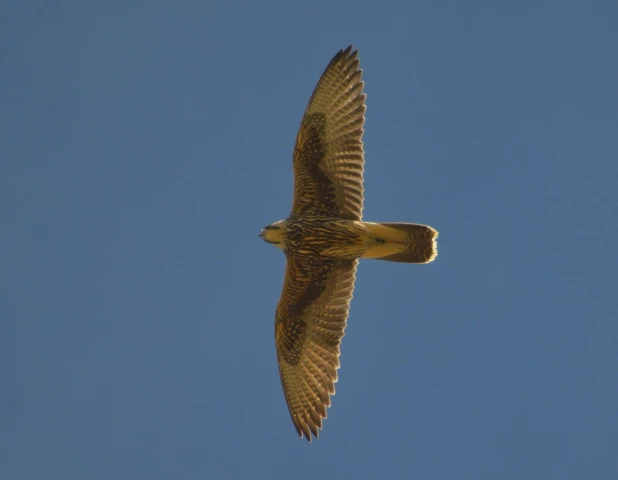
column 402, row 242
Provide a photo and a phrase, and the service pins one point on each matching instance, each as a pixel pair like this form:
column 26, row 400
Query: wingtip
column 345, row 53
column 306, row 429
column 309, row 436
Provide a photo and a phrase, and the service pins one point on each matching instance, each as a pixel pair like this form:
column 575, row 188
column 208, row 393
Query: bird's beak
column 261, row 234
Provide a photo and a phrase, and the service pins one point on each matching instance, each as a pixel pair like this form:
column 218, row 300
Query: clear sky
column 144, row 146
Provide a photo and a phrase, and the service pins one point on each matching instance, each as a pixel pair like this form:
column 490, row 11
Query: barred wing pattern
column 328, row 155
column 309, row 324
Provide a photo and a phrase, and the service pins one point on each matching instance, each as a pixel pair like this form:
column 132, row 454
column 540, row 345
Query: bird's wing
column 328, row 155
column 309, row 324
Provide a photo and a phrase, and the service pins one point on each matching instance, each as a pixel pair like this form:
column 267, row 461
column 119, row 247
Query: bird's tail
column 402, row 242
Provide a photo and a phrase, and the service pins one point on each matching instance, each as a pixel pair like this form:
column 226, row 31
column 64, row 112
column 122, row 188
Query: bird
column 323, row 239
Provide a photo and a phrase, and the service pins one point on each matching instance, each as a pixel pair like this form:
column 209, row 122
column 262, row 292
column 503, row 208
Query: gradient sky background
column 144, row 146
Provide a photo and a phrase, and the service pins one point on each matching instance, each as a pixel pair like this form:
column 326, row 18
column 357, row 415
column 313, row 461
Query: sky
column 145, row 145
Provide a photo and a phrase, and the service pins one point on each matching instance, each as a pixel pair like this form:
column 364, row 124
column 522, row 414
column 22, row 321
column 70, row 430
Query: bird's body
column 323, row 239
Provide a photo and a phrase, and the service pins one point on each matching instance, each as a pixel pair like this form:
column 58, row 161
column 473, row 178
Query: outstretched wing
column 328, row 155
column 309, row 324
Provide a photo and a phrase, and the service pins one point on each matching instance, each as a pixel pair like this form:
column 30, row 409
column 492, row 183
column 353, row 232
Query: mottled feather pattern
column 316, row 236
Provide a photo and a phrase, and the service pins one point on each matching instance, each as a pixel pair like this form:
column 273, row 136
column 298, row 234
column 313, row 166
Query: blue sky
column 144, row 146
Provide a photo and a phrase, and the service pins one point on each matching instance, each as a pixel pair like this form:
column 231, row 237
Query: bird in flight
column 324, row 237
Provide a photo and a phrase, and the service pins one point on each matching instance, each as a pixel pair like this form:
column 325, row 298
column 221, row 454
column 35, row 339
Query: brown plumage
column 323, row 239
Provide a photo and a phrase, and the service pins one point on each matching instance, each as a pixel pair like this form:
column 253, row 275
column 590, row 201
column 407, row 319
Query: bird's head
column 273, row 233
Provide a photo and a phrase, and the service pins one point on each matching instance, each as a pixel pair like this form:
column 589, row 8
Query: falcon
column 324, row 237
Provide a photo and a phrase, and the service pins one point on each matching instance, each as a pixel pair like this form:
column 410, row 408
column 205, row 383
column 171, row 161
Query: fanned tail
column 402, row 242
